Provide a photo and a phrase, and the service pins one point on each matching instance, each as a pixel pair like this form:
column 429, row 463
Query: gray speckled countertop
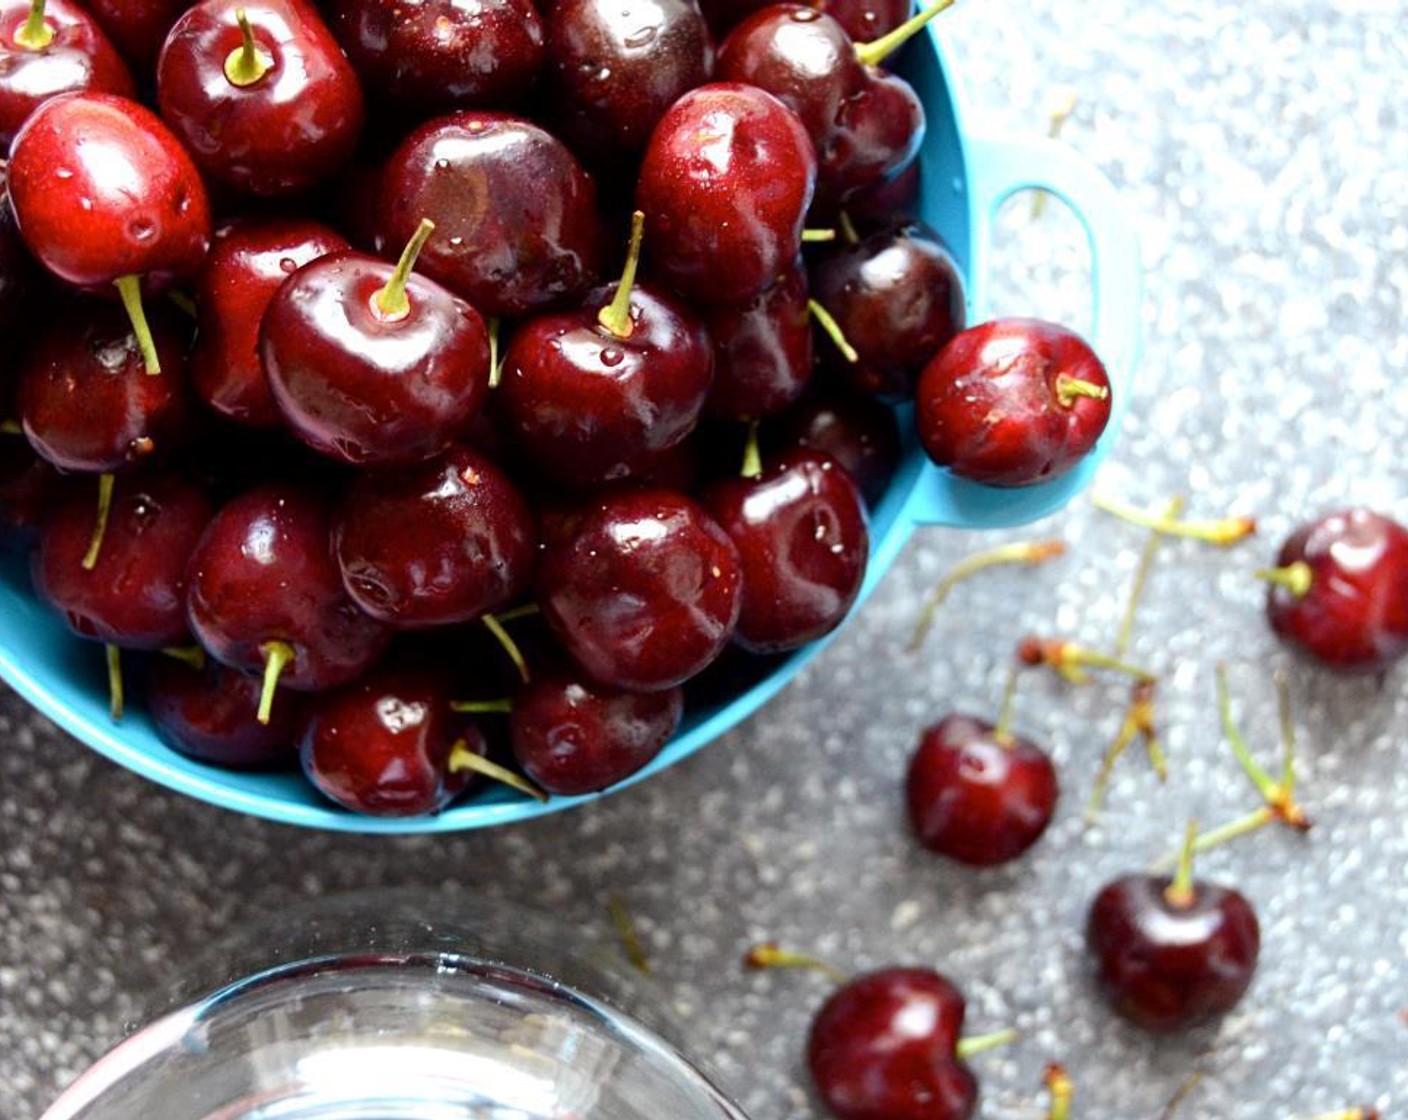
column 1263, row 152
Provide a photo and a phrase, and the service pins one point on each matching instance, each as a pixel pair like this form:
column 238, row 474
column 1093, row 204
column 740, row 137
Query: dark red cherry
column 51, row 48
column 800, row 529
column 573, row 736
column 855, row 429
column 874, row 208
column 762, row 350
column 138, row 27
column 108, row 200
column 438, row 542
column 269, row 106
column 1167, row 963
column 643, row 589
column 247, row 263
column 1012, row 402
column 20, row 278
column 863, row 19
column 614, row 67
column 133, row 594
column 210, row 713
column 725, row 184
column 372, row 364
column 442, row 54
column 600, row 393
column 516, row 214
column 1339, row 592
column 898, row 298
column 265, row 593
column 29, row 488
column 85, row 398
column 884, row 1047
column 385, row 744
column 977, row 794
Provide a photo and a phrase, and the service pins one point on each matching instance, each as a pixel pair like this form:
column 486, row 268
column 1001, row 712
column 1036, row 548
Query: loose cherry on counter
column 48, row 47
column 208, row 711
column 105, row 196
column 260, row 93
column 1012, row 402
column 1172, row 954
column 600, row 393
column 370, row 363
column 1339, row 591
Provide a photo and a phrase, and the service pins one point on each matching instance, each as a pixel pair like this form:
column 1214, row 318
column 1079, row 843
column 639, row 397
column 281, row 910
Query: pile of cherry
column 325, row 380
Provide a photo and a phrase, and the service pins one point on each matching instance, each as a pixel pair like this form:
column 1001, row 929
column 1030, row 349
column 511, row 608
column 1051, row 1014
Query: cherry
column 445, row 54
column 208, row 711
column 898, row 298
column 1171, row 954
column 862, row 19
column 371, row 364
column 762, row 350
column 613, row 69
column 439, row 542
column 800, row 529
column 260, row 93
column 48, row 48
column 106, row 196
column 247, row 263
column 516, row 212
column 265, row 594
column 1339, row 592
column 19, row 277
column 599, row 394
column 138, row 27
column 573, row 736
column 873, row 208
column 725, row 184
column 855, row 429
column 643, row 590
column 1012, row 402
column 29, row 487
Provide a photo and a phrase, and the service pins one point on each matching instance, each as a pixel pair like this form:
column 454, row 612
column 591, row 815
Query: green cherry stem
column 1071, row 389
column 1185, row 1087
column 130, row 289
column 1058, row 1084
column 833, row 330
column 462, row 758
column 630, row 940
column 752, row 456
column 1180, row 893
column 391, row 302
column 495, row 370
column 36, row 34
column 1221, row 531
column 1002, row 732
column 1023, row 552
column 11, row 428
column 1296, row 578
column 980, row 1043
column 114, row 657
column 510, row 647
column 615, row 317
column 813, row 236
column 1141, row 579
column 769, row 954
column 482, row 707
column 277, row 656
column 875, row 52
column 100, row 524
column 248, row 62
column 193, row 656
column 527, row 610
column 848, row 229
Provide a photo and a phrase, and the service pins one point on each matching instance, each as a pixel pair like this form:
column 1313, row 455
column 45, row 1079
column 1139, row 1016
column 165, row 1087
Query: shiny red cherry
column 725, row 184
column 50, row 48
column 978, row 794
column 863, row 19
column 1012, row 402
column 439, row 542
column 884, row 1047
column 642, row 588
column 853, row 428
column 517, row 219
column 247, row 263
column 1339, row 592
column 800, row 528
column 260, row 93
column 138, row 28
column 370, row 363
column 209, row 713
column 762, row 350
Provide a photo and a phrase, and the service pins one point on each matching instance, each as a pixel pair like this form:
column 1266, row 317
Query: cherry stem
column 277, row 656
column 979, row 1043
column 1026, row 552
column 36, row 34
column 183, row 303
column 1185, row 1087
column 810, row 236
column 616, row 316
column 527, row 610
column 1179, row 893
column 11, row 428
column 874, row 52
column 495, row 627
column 1279, row 797
column 1138, row 721
column 100, row 523
column 130, row 289
column 1288, row 733
column 482, row 707
column 769, row 954
column 630, row 939
column 114, row 656
column 1296, row 578
column 752, row 456
column 1141, row 578
column 193, row 656
column 1259, row 777
column 833, row 330
column 848, row 229
column 1002, row 732
column 1061, row 111
column 391, row 302
column 1221, row 531
column 1362, row 1113
column 462, row 758
column 1071, row 389
column 495, row 370
column 1071, row 660
column 248, row 62
column 1058, row 1084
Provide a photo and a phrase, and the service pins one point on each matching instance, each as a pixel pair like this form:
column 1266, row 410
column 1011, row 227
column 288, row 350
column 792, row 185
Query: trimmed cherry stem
column 462, row 758
column 769, row 954
column 277, row 656
column 1138, row 721
column 482, row 707
column 36, row 34
column 1058, row 1084
column 626, row 930
column 130, row 289
column 875, row 52
column 1071, row 389
column 100, row 524
column 1296, row 578
column 615, row 317
column 1221, row 531
column 981, row 1043
column 115, row 703
column 812, row 236
column 833, row 330
column 248, row 62
column 1025, row 552
column 752, row 456
column 391, row 302
column 495, row 627
column 1071, row 660
column 1180, row 893
column 1141, row 578
column 1002, row 732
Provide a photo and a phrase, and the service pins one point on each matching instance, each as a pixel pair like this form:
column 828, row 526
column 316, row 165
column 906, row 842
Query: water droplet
column 64, row 173
column 806, row 15
column 141, row 228
column 612, row 356
column 442, row 164
column 85, row 203
column 604, row 74
column 456, row 241
column 288, row 265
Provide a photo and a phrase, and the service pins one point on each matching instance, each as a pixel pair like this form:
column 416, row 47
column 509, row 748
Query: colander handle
column 997, row 169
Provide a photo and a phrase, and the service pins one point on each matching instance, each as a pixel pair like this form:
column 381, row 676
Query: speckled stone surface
column 1262, row 149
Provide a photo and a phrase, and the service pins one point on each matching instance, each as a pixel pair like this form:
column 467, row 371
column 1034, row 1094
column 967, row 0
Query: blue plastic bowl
column 966, row 177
